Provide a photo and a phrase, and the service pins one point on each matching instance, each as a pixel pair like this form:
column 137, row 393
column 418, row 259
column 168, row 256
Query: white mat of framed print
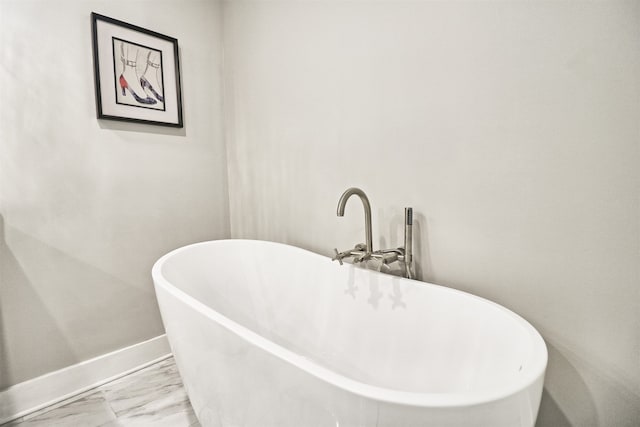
column 137, row 73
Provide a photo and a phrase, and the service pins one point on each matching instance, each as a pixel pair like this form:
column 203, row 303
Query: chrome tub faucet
column 367, row 214
column 362, row 252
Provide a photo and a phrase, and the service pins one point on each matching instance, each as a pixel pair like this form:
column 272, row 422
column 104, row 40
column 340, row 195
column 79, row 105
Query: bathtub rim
column 534, row 373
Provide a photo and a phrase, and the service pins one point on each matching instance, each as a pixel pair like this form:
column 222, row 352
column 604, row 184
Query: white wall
column 511, row 128
column 87, row 206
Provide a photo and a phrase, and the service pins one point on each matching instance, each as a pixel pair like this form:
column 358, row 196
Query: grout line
column 85, row 392
column 57, row 405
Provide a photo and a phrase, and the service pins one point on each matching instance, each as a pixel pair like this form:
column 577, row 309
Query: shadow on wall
column 5, row 379
column 421, row 267
column 142, row 128
column 422, row 264
column 24, row 319
column 566, row 400
column 57, row 309
column 5, row 374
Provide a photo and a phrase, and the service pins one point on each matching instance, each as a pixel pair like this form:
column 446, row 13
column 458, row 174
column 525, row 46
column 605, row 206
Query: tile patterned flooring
column 153, row 396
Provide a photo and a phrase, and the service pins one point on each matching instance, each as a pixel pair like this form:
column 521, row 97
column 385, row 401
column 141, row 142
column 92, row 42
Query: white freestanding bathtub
column 270, row 335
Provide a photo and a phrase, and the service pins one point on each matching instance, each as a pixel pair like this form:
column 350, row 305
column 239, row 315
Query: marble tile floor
column 153, row 396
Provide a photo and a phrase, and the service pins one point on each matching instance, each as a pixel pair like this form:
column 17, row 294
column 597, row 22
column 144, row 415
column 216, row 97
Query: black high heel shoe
column 146, row 85
column 124, row 85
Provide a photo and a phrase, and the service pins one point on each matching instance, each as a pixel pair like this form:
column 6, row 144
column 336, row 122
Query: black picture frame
column 136, row 73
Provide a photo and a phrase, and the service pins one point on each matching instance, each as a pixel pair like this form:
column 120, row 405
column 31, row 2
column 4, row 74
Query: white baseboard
column 29, row 396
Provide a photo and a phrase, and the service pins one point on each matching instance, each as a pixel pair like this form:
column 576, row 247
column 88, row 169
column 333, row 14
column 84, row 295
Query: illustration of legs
column 151, row 79
column 129, row 76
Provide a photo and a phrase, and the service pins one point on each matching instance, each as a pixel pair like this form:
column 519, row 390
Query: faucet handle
column 383, row 265
column 338, row 256
column 393, row 257
column 386, row 259
column 362, row 257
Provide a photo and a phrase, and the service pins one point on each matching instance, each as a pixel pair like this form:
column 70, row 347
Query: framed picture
column 137, row 73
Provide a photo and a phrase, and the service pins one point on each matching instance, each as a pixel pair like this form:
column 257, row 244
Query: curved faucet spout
column 367, row 213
